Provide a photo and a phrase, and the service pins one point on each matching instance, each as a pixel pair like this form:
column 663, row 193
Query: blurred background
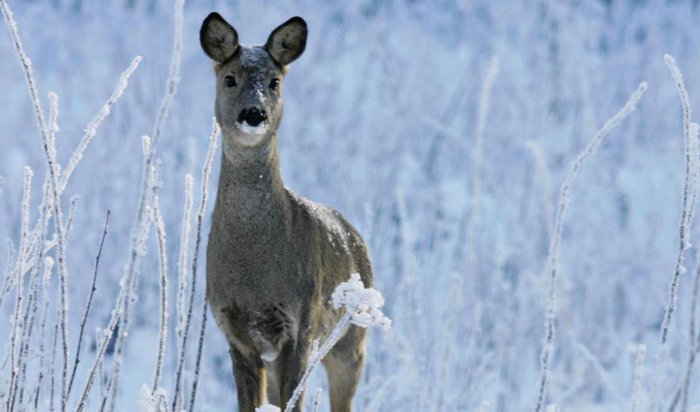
column 382, row 122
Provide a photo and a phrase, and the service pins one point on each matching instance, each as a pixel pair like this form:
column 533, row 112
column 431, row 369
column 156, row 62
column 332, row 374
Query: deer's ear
column 218, row 38
column 288, row 41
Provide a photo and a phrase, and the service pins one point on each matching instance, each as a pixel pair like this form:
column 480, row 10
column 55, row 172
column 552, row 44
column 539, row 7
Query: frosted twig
column 17, row 318
column 146, row 184
column 553, row 257
column 162, row 248
column 206, row 174
column 638, row 376
column 681, row 393
column 29, row 320
column 362, row 308
column 7, row 283
column 106, row 337
column 100, row 374
column 52, row 365
column 129, row 280
column 690, row 137
column 39, row 234
column 483, row 109
column 89, row 301
column 48, row 265
column 173, row 75
column 694, row 343
column 91, row 129
column 200, row 349
column 54, row 185
column 182, row 280
column 333, row 338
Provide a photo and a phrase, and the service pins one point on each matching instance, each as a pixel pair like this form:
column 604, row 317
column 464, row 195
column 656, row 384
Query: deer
column 273, row 257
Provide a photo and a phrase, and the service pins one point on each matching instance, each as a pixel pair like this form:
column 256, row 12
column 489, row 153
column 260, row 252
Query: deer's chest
column 255, row 265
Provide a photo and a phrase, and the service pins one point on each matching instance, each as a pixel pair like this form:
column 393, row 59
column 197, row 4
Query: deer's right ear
column 219, row 39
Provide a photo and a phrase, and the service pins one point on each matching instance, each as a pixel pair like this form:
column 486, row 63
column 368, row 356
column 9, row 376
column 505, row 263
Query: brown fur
column 274, row 258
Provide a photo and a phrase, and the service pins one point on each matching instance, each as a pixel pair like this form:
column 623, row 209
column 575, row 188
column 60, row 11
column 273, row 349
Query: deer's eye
column 230, row 81
column 274, row 83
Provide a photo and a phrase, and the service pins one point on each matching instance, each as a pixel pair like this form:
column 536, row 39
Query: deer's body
column 273, row 257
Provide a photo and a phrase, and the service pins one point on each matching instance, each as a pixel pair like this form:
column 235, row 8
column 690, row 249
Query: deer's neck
column 251, row 191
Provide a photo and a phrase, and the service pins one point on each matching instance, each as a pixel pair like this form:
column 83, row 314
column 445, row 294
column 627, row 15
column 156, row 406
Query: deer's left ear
column 287, row 42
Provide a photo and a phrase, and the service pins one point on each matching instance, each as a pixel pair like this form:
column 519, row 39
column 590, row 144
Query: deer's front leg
column 249, row 374
column 292, row 364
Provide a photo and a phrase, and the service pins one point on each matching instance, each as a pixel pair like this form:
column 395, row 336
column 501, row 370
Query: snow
column 253, row 130
column 363, row 304
column 385, row 121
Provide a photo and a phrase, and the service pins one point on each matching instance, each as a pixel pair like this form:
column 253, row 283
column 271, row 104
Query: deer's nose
column 252, row 115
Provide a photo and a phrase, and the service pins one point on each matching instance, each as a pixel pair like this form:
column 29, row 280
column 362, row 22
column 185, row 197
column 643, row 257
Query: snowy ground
column 382, row 122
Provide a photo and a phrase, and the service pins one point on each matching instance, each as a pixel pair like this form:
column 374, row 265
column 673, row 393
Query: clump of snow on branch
column 362, row 308
column 363, row 304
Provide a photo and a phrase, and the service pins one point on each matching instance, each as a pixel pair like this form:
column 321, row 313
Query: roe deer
column 273, row 258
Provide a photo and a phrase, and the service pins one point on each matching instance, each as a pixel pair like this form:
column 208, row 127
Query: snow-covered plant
column 690, row 189
column 553, row 258
column 362, row 308
column 362, row 305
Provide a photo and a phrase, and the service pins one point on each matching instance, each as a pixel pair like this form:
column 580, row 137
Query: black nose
column 252, row 115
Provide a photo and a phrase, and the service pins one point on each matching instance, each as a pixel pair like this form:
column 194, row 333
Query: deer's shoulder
column 320, row 217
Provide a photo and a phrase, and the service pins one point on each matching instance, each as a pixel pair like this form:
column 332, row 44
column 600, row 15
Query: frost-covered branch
column 484, row 105
column 132, row 267
column 53, row 169
column 690, row 137
column 638, row 376
column 206, row 175
column 200, row 350
column 91, row 129
column 182, row 283
column 690, row 131
column 89, row 301
column 681, row 394
column 129, row 285
column 100, row 353
column 163, row 255
column 48, row 266
column 19, row 279
column 553, row 258
column 362, row 308
column 476, row 177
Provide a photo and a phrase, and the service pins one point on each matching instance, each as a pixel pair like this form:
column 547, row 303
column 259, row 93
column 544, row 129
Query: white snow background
column 382, row 121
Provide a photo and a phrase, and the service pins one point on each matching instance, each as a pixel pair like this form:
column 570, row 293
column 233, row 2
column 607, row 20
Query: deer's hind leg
column 344, row 367
column 250, row 377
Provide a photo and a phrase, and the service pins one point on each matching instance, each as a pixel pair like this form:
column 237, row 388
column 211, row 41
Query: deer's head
column 249, row 79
